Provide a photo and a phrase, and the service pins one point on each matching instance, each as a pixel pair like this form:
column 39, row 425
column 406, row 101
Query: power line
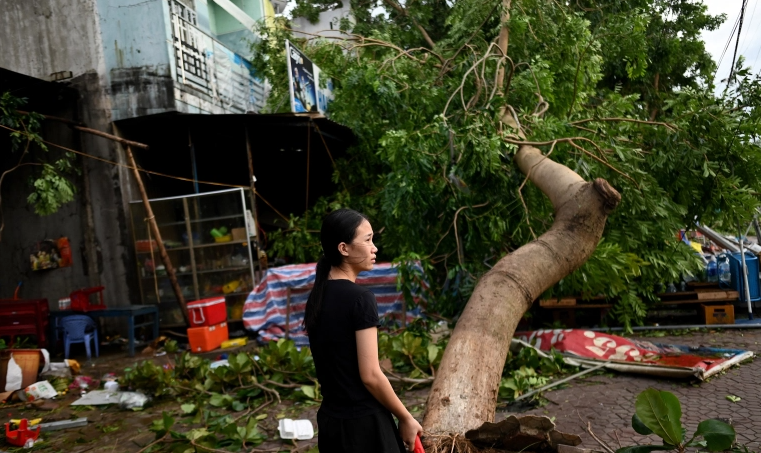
column 729, row 41
column 752, row 16
column 737, row 43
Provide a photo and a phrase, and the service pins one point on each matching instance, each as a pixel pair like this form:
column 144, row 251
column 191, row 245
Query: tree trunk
column 464, row 394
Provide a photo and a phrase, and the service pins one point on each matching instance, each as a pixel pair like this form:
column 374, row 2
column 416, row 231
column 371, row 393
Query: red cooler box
column 207, row 338
column 207, row 312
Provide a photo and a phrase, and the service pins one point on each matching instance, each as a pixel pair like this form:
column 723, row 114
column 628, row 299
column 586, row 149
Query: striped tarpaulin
column 265, row 308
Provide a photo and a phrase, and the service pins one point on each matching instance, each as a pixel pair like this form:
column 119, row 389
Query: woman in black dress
column 341, row 319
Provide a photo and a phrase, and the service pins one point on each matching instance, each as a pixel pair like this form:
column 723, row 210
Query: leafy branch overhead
column 622, row 91
column 50, row 186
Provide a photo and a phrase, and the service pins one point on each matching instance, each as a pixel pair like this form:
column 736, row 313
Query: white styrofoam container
column 295, row 429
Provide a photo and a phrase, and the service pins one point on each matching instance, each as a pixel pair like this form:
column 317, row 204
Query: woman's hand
column 409, row 428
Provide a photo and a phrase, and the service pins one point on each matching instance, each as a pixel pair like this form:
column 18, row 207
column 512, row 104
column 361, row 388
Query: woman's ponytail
column 314, row 302
column 337, row 227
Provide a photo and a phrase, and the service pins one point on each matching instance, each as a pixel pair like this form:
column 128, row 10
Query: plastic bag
column 132, row 400
column 40, row 391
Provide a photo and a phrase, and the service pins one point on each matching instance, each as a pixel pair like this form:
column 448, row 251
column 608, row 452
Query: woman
column 341, row 319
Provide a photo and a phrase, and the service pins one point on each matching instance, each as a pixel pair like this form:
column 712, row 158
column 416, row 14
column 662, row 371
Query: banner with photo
column 304, row 82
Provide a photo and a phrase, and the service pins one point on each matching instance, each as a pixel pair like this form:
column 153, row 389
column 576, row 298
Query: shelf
column 208, row 271
column 208, row 219
column 199, row 246
column 215, row 244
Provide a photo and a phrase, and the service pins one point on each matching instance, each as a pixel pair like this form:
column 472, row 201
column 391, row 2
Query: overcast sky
column 750, row 38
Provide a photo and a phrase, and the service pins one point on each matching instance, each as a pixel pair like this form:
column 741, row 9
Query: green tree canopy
column 618, row 90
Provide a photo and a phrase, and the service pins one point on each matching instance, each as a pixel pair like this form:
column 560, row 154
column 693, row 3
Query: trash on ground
column 519, row 433
column 295, row 429
column 84, row 383
column 63, row 424
column 23, row 435
column 97, row 398
column 40, row 391
column 588, row 348
column 219, row 363
column 132, row 400
column 233, row 342
column 43, row 405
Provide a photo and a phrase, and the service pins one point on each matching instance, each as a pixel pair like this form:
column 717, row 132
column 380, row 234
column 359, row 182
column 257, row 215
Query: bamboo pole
column 155, row 230
column 81, row 127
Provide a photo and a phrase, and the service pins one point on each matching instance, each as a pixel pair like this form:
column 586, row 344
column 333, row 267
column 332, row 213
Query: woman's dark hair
column 337, row 227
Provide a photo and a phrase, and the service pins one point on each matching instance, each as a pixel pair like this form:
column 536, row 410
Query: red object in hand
column 418, row 446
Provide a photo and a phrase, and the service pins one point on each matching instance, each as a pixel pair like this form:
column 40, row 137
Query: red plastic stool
column 80, row 299
column 22, row 435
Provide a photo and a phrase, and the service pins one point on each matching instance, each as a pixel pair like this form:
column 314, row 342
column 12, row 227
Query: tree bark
column 464, row 394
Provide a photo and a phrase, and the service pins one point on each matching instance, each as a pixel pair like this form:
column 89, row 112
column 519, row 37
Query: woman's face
column 361, row 251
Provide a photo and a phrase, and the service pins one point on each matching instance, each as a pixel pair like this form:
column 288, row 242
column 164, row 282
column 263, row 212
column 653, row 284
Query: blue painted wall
column 133, row 34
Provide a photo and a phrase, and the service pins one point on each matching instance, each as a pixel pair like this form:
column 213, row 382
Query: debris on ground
column 529, row 432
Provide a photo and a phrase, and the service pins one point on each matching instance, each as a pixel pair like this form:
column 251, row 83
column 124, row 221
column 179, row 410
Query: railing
column 210, row 67
column 192, row 67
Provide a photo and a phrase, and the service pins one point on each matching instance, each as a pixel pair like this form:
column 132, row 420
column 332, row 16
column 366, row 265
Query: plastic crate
column 207, row 338
column 81, row 299
column 207, row 312
column 735, row 266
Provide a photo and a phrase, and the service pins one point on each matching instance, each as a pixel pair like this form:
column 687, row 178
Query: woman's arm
column 377, row 384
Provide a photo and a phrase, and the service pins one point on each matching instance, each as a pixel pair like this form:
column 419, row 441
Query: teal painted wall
column 225, row 23
column 134, row 34
column 229, row 31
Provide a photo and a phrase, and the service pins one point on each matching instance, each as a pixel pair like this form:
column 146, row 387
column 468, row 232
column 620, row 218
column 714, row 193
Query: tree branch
column 401, row 10
column 626, row 120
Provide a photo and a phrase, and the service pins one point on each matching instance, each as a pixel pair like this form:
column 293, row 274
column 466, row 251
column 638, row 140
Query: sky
column 750, row 37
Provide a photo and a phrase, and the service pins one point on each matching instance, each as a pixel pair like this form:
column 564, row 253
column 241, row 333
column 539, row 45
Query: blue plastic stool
column 79, row 329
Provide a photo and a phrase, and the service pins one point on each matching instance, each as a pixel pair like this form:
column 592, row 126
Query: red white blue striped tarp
column 265, row 308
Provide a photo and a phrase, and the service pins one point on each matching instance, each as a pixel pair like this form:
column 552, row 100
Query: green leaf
column 719, row 436
column 168, row 420
column 733, row 398
column 643, row 449
column 188, row 408
column 238, row 406
column 640, row 427
column 662, row 413
column 308, row 390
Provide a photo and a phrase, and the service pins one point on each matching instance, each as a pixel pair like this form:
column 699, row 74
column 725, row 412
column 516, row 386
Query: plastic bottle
column 711, row 270
column 65, row 250
column 725, row 274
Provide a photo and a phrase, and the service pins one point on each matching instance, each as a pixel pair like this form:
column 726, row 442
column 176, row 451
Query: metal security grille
column 192, row 68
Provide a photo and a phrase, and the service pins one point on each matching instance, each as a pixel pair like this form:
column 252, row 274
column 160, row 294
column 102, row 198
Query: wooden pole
column 156, row 234
column 252, row 195
column 82, row 128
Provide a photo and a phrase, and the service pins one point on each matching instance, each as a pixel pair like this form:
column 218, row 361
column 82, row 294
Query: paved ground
column 608, row 401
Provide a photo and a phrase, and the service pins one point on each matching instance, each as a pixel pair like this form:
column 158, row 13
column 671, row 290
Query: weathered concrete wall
column 45, row 36
column 65, row 35
column 24, row 228
column 110, row 190
column 137, row 59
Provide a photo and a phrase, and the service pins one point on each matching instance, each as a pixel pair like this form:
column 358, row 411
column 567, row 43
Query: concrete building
column 171, row 73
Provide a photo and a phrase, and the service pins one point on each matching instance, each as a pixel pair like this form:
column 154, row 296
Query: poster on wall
column 304, row 80
column 51, row 254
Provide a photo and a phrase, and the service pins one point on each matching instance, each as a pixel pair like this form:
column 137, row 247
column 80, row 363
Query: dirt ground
column 607, row 400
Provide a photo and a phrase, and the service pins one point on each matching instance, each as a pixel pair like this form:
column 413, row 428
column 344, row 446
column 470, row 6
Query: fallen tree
column 467, row 146
column 464, row 394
